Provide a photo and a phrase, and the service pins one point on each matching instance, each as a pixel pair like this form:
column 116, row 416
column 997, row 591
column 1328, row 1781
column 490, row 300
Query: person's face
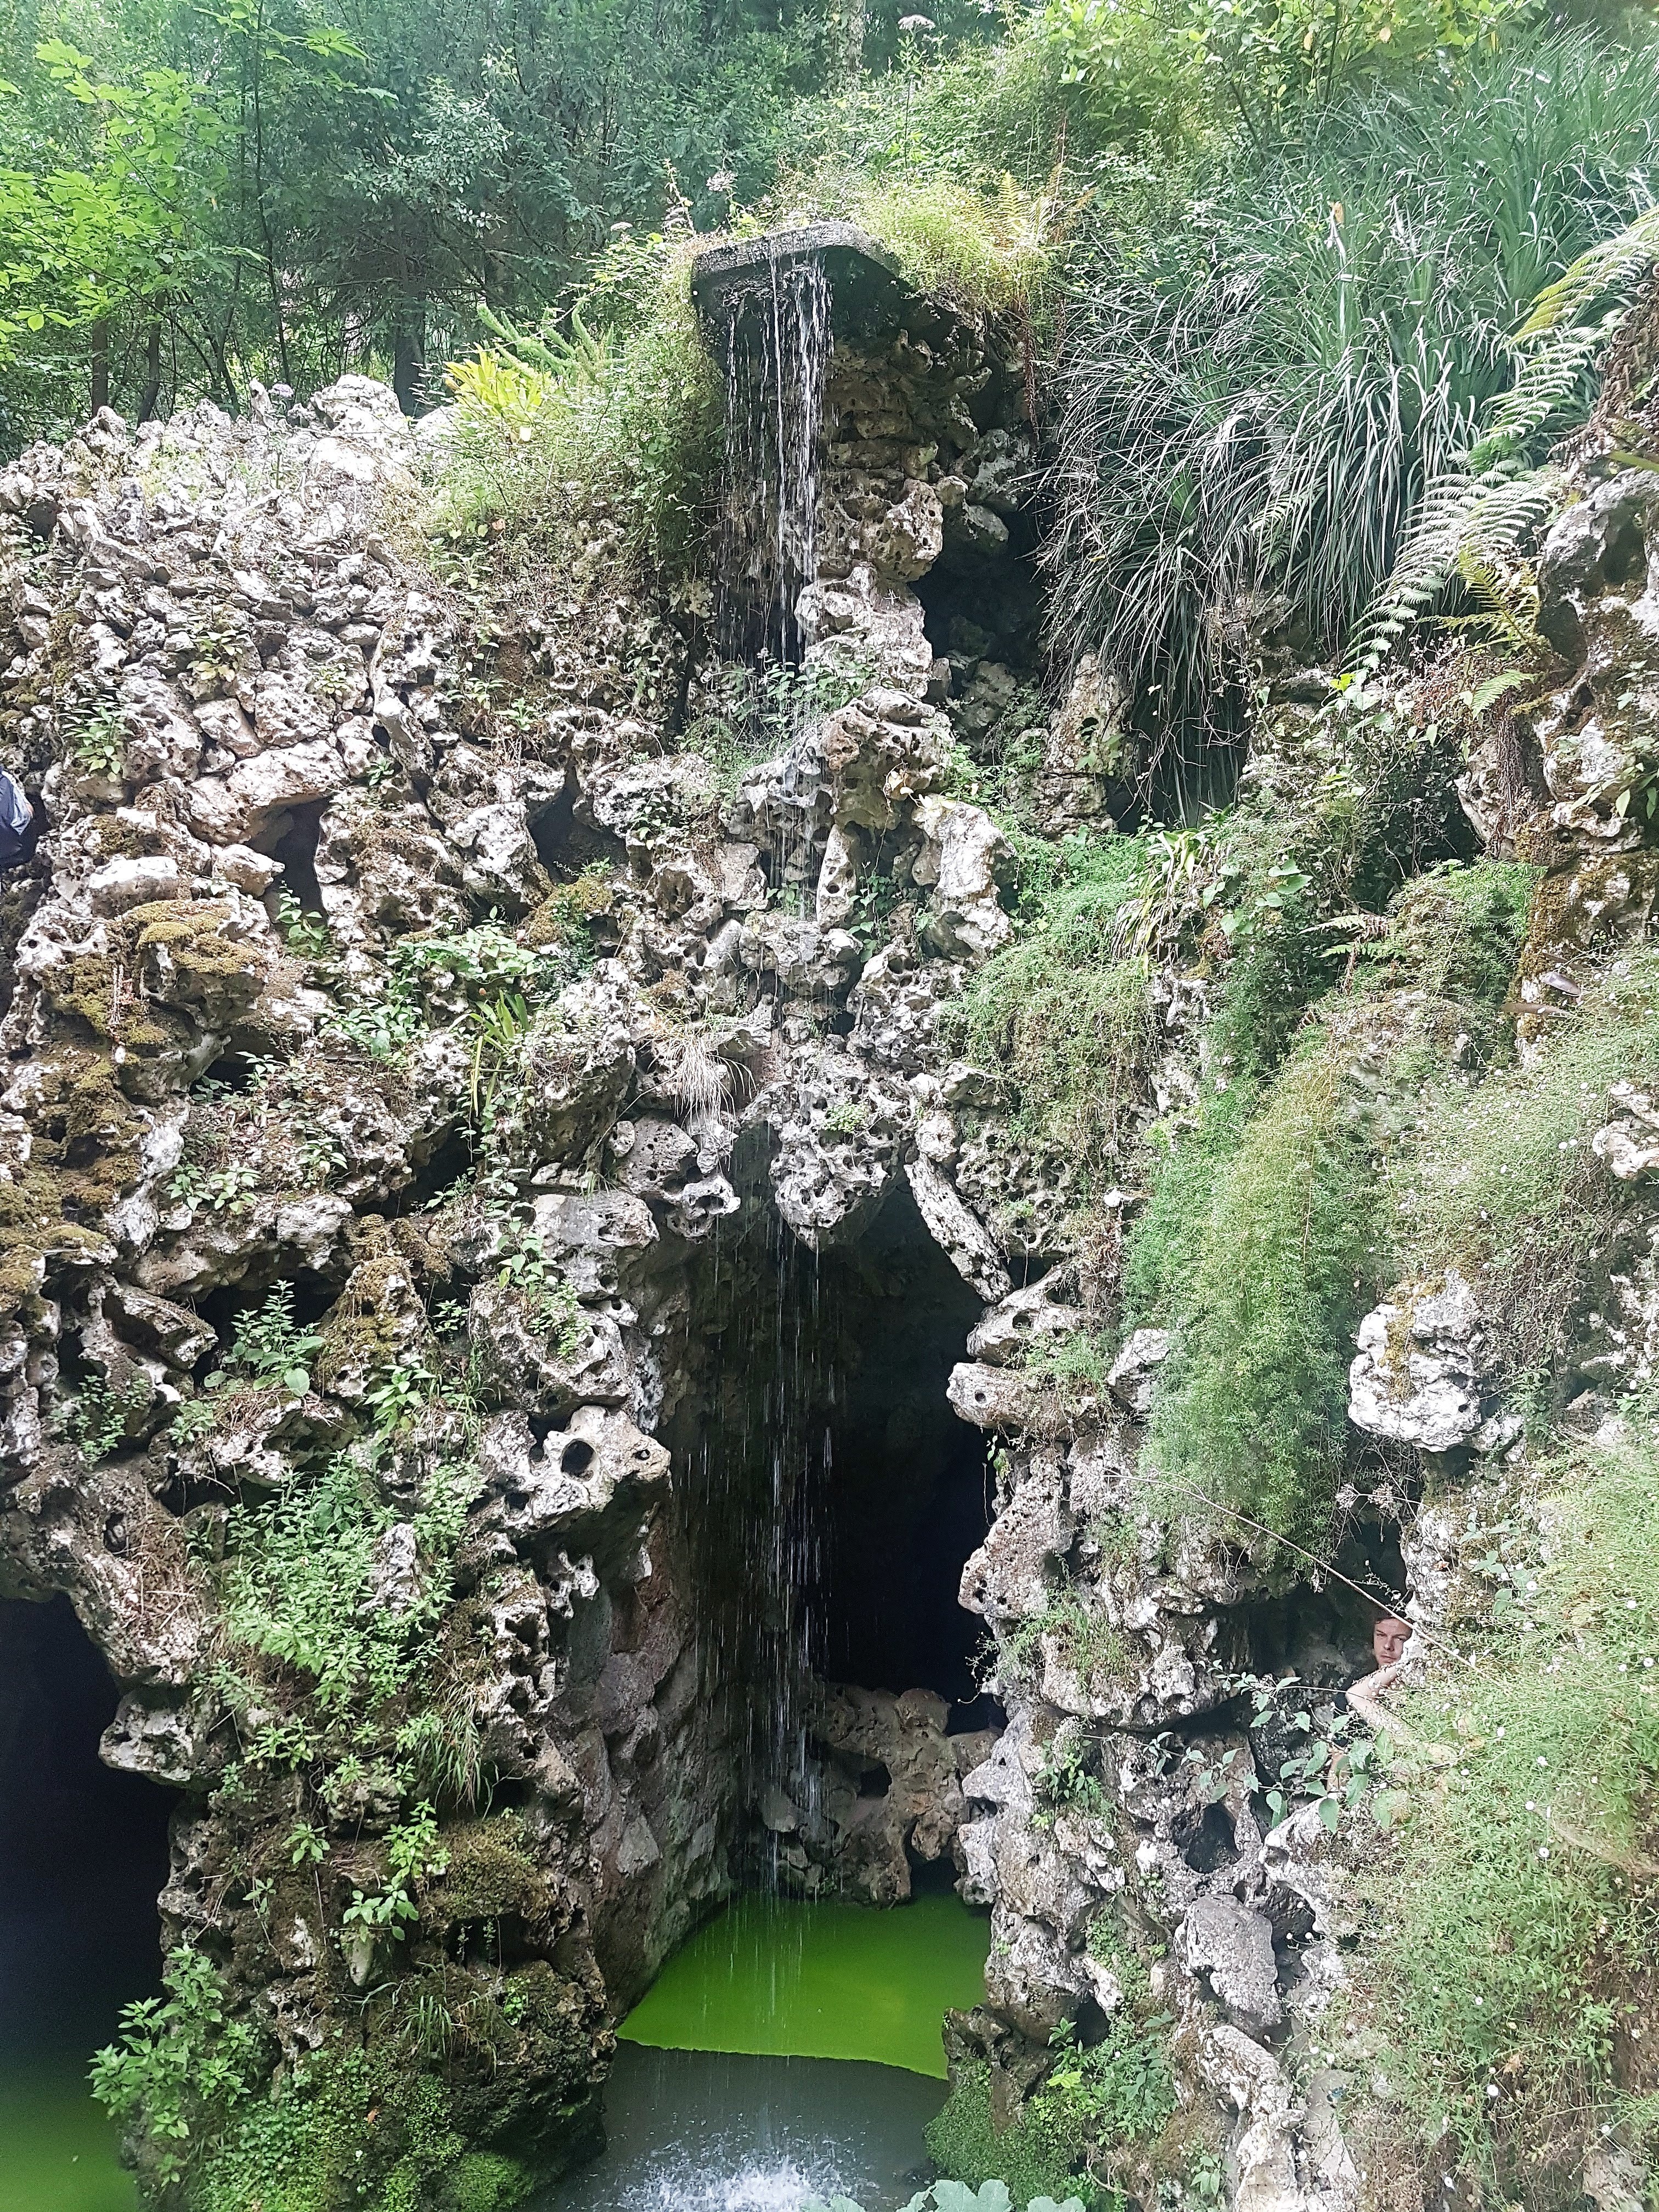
column 1389, row 1640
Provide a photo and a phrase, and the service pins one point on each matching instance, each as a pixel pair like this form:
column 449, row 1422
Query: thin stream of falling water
column 778, row 344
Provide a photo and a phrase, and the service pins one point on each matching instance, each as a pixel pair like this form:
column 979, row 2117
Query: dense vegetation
column 1266, row 265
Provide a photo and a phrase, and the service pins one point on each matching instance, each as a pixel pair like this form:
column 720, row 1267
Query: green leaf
column 1389, row 1807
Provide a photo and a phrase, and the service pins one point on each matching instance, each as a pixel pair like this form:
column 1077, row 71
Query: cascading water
column 753, row 1506
column 778, row 343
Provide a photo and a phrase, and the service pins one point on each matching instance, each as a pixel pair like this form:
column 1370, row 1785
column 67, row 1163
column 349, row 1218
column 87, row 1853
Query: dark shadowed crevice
column 83, row 1851
column 296, row 850
column 564, row 845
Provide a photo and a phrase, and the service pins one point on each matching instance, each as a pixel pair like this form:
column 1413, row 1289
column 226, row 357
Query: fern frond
column 1614, row 264
column 583, row 359
column 1475, row 519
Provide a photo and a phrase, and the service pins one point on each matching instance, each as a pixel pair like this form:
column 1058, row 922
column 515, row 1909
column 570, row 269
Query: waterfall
column 755, row 1503
column 778, row 344
column 760, row 1481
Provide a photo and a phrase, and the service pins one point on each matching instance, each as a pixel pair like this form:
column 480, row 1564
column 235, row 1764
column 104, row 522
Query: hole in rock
column 1626, row 554
column 576, row 1457
column 296, row 850
column 831, row 1497
column 84, row 1850
column 1323, row 1637
column 226, row 1309
column 438, row 1172
column 985, row 604
column 564, row 845
column 1205, row 1838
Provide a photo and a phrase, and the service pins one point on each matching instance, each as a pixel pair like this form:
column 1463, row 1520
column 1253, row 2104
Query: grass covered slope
column 1508, row 1975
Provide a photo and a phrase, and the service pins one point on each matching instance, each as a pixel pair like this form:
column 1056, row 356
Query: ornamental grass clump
column 1263, row 383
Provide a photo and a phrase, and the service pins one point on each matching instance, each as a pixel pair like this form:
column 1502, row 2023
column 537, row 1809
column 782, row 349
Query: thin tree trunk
column 857, row 17
column 152, row 392
column 99, row 364
column 409, row 352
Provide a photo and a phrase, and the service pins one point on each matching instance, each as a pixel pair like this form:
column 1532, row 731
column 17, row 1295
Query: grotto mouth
column 83, row 1856
column 823, row 1469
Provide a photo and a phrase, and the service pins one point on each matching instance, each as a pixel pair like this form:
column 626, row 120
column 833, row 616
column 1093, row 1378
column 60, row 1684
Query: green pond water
column 786, row 2051
column 57, row 2149
column 776, row 1978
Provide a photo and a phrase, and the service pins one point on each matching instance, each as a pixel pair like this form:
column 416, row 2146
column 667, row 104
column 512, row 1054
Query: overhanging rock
column 868, row 295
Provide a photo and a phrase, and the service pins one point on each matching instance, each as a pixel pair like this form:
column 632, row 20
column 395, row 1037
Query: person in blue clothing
column 17, row 828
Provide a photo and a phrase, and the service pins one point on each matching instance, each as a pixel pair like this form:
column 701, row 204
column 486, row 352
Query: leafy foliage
column 1476, row 521
column 1117, row 2090
column 619, row 421
column 1503, row 1183
column 1266, row 380
column 1251, row 1407
column 183, row 2063
column 1063, row 1011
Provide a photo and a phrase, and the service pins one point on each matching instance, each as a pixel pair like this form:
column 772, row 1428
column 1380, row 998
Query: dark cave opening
column 829, row 1497
column 906, row 1492
column 227, row 1309
column 1320, row 1631
column 83, row 1849
column 565, row 846
column 296, row 849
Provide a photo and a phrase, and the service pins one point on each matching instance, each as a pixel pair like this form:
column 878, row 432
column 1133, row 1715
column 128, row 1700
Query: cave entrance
column 830, row 1500
column 84, row 1850
column 904, row 1493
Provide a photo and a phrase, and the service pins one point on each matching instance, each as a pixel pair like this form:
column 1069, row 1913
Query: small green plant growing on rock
column 550, row 1301
column 1123, row 2086
column 1065, row 1780
column 96, row 740
column 305, row 934
column 846, row 1117
column 183, row 2063
column 98, row 1415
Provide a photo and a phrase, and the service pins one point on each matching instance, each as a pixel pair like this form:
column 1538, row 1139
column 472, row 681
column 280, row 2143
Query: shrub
column 1118, row 2090
column 1162, row 1251
column 1040, row 2155
column 621, row 428
column 182, row 2065
column 1457, row 933
column 1515, row 1919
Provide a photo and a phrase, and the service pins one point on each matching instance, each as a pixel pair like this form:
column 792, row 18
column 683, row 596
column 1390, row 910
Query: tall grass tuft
column 1263, row 384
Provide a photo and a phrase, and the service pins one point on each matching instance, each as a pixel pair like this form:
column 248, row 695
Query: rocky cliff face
column 406, row 1100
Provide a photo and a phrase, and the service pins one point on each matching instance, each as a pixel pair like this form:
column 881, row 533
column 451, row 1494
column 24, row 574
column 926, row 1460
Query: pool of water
column 777, row 1978
column 787, row 2053
column 715, row 2131
column 57, row 2149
